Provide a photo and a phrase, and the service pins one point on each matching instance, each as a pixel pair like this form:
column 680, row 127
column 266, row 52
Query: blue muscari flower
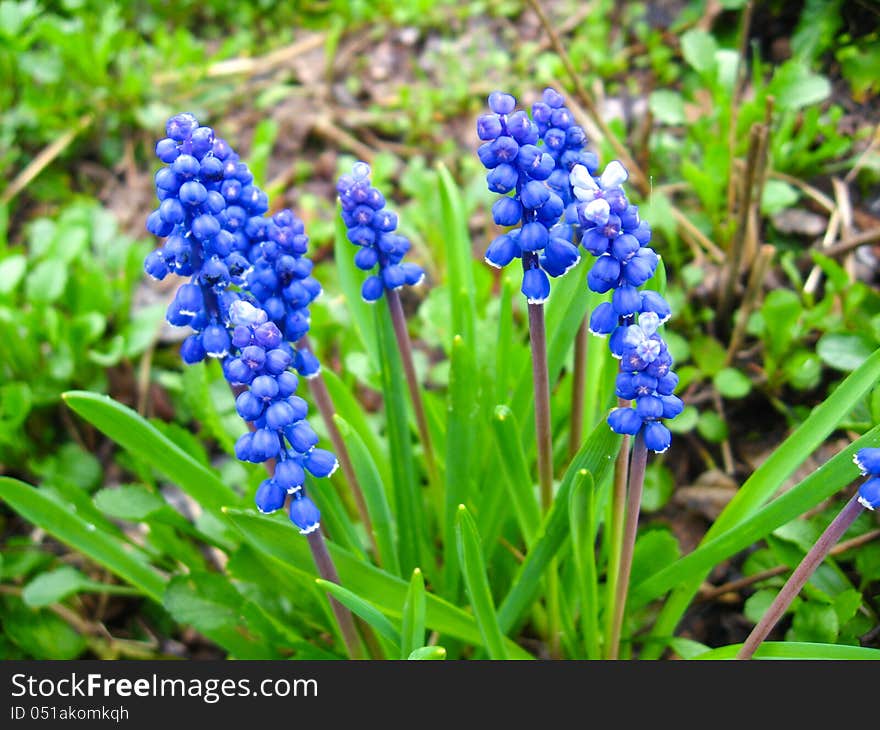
column 371, row 226
column 243, row 269
column 868, row 461
column 519, row 166
column 646, row 378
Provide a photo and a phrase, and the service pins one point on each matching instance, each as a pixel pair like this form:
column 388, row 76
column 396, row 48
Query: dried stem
column 800, row 576
column 398, row 320
column 638, row 463
column 578, row 386
column 750, row 300
column 324, row 403
column 543, row 432
column 737, row 244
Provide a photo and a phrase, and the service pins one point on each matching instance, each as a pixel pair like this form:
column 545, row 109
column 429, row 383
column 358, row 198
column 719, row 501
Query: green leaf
column 374, row 495
column 732, row 383
column 129, row 502
column 655, row 550
column 794, row 86
column 12, row 270
column 712, row 427
column 698, row 48
column 41, row 633
column 477, row 583
column 412, row 632
column 107, row 550
column 453, row 223
column 271, row 537
column 46, row 282
column 520, row 486
column 777, row 196
column 367, row 611
column 659, row 486
column 428, row 652
column 781, row 311
column 796, row 650
column 144, row 441
column 595, row 456
column 843, row 352
column 667, row 106
column 409, row 509
column 708, row 354
column 583, row 550
column 56, row 585
column 814, row 622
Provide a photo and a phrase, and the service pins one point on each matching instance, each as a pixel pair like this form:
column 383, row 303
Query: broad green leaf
column 360, row 607
column 272, row 538
column 667, row 106
column 698, row 48
column 412, row 631
column 46, row 282
column 12, row 270
column 144, row 441
column 429, row 653
column 794, row 86
column 796, row 650
column 843, row 351
column 708, row 354
column 520, row 486
column 129, row 502
column 41, row 633
column 374, row 495
column 56, row 585
column 105, row 549
column 777, row 196
column 732, row 383
column 477, row 583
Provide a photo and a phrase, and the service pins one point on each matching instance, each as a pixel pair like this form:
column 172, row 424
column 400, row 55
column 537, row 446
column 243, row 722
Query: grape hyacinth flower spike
column 524, row 157
column 372, row 227
column 207, row 201
column 867, row 497
column 613, row 232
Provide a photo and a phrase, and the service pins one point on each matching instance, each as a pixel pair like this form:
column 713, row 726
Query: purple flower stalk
column 867, row 497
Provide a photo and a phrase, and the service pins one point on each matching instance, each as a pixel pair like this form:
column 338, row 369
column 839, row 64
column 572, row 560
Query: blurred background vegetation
column 301, row 88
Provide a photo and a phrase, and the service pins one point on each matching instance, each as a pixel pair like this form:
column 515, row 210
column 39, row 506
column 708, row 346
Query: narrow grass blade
column 518, row 479
column 583, row 549
column 367, row 611
column 334, row 517
column 595, row 456
column 461, row 435
column 459, row 260
column 428, row 652
column 797, row 650
column 140, row 438
column 409, row 508
column 374, row 495
column 272, row 538
column 768, row 477
column 107, row 550
column 348, row 407
column 477, row 583
column 504, row 344
column 830, row 478
column 412, row 633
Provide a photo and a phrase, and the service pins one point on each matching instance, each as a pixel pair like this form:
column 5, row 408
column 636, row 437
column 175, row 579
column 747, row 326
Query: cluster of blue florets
column 217, row 234
column 613, row 232
column 518, row 165
column 868, row 461
column 371, row 226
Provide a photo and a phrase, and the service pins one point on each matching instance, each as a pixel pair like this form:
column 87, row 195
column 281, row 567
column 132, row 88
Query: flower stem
column 327, row 571
column 615, row 537
column 812, row 560
column 538, row 342
column 324, row 403
column 638, row 463
column 398, row 320
column 578, row 387
column 325, row 566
